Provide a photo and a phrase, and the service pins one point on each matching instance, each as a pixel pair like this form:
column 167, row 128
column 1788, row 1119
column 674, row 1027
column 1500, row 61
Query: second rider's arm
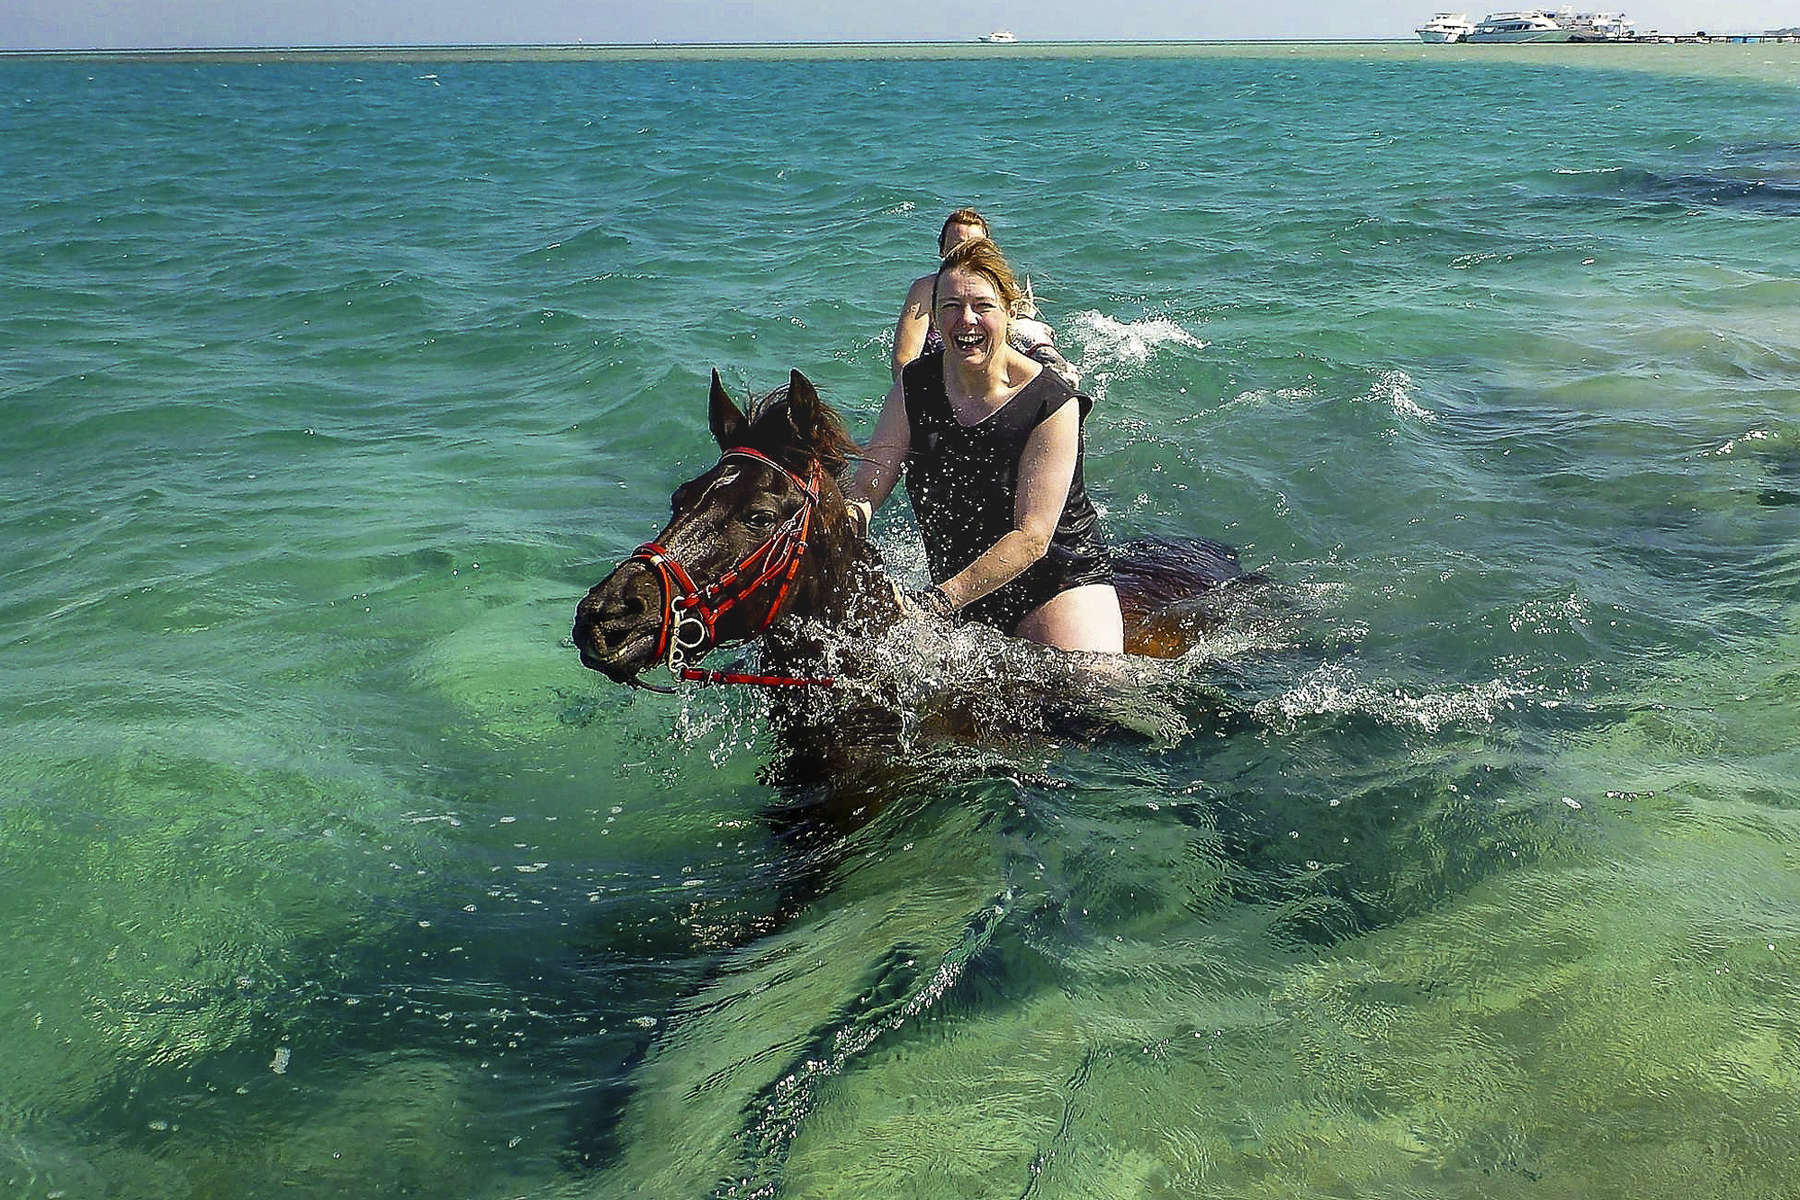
column 913, row 325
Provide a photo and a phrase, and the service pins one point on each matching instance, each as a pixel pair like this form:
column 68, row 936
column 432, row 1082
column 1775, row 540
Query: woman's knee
column 1082, row 618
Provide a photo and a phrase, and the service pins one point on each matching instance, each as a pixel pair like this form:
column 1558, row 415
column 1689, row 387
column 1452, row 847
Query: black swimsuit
column 964, row 482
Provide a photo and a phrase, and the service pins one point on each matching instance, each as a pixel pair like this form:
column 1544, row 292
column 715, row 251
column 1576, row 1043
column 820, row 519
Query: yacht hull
column 1523, row 35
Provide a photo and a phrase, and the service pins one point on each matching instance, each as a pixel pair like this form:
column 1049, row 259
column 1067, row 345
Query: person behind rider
column 914, row 332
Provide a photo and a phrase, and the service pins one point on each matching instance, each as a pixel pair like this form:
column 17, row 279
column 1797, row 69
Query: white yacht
column 1444, row 28
column 1536, row 26
column 999, row 36
column 1599, row 27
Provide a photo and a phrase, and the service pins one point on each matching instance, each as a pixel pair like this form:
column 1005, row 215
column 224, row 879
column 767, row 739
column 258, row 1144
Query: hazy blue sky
column 42, row 24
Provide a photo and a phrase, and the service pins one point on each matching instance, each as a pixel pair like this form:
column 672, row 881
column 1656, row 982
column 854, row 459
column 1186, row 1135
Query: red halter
column 690, row 621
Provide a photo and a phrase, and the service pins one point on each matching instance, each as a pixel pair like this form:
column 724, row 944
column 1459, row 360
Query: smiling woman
column 992, row 449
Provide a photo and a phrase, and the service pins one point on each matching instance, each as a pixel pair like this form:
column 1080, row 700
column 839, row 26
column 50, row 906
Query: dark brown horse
column 764, row 545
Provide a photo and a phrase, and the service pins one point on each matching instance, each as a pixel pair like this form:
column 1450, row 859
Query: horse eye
column 759, row 519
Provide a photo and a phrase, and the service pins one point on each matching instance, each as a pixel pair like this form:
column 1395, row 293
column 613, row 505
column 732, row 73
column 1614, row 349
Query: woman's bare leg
column 1082, row 618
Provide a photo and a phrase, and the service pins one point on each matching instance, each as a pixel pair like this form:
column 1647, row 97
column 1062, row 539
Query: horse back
column 1165, row 585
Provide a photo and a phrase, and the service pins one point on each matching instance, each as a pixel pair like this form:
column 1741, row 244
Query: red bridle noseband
column 690, row 618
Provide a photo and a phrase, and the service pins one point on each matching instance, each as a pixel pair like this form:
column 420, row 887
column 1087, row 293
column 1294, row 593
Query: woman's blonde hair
column 982, row 257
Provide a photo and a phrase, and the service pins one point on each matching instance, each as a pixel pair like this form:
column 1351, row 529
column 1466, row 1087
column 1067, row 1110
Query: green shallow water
column 1462, row 864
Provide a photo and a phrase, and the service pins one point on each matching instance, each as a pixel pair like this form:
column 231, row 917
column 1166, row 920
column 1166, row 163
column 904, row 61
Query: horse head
column 758, row 542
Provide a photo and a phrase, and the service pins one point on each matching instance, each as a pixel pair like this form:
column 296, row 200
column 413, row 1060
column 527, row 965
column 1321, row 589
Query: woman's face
column 971, row 316
column 956, row 235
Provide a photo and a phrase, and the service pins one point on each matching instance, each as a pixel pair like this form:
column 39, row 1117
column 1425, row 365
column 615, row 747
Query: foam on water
column 1106, row 340
column 1394, row 389
column 1334, row 690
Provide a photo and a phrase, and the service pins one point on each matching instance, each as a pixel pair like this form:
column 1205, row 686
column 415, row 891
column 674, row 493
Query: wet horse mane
column 792, row 425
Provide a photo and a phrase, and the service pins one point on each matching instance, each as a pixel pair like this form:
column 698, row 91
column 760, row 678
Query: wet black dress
column 963, row 481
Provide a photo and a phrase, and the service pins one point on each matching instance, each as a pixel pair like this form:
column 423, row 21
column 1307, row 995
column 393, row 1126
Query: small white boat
column 1444, row 28
column 998, row 37
column 1536, row 26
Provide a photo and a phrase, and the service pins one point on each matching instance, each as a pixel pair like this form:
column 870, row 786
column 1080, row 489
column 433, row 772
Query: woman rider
column 990, row 443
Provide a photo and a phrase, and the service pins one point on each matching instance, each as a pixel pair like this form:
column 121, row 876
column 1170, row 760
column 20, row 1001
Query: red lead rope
column 691, row 614
column 707, row 678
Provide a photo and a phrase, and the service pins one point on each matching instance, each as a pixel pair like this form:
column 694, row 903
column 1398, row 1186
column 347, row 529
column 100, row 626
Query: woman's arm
column 885, row 454
column 1046, row 470
column 915, row 319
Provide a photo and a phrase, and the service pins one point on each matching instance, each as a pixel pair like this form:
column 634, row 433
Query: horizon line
column 325, row 48
column 1001, row 47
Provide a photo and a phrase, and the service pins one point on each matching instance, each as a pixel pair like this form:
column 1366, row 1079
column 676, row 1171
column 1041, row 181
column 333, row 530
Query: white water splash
column 1333, row 690
column 1106, row 340
column 1011, row 688
column 1730, row 447
column 1265, row 396
column 1394, row 389
column 1550, row 616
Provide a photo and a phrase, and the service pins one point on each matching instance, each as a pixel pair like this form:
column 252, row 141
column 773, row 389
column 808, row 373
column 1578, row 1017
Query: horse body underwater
column 765, row 545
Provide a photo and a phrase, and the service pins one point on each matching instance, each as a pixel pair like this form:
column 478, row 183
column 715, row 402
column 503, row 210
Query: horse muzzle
column 618, row 623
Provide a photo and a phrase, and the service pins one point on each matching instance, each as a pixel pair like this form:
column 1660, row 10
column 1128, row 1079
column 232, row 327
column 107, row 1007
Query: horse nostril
column 622, row 606
column 611, row 615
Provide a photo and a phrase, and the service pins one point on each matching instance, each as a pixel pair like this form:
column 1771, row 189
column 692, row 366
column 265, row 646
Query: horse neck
column 842, row 587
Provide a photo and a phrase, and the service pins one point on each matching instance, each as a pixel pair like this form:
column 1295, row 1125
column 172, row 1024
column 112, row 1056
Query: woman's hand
column 861, row 513
column 928, row 604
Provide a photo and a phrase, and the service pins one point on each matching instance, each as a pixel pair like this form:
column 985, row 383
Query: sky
column 123, row 24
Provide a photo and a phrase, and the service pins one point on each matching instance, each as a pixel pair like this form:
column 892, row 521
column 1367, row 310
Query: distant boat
column 1444, row 28
column 1542, row 25
column 1599, row 27
column 998, row 36
column 1538, row 26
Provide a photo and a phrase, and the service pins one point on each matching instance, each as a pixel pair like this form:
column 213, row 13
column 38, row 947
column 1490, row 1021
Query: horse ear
column 818, row 429
column 803, row 406
column 728, row 423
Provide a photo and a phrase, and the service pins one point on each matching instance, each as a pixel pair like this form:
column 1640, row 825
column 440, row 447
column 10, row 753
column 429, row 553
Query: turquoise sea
column 1464, row 862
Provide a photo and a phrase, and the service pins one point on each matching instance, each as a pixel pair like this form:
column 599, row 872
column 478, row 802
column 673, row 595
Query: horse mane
column 777, row 431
